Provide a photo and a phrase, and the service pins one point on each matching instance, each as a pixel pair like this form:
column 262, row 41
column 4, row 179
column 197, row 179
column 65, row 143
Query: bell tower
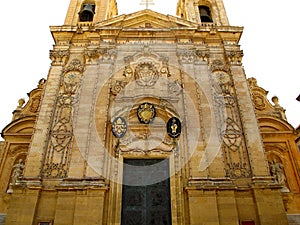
column 93, row 11
column 203, row 11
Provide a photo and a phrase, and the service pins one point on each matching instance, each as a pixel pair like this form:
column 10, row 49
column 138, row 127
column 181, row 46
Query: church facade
column 148, row 119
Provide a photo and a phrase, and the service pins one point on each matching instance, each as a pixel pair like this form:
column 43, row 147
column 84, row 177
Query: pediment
column 145, row 19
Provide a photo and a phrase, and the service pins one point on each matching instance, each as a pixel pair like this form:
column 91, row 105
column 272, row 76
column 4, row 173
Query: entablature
column 62, row 34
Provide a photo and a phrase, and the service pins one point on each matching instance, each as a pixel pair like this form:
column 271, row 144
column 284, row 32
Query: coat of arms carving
column 146, row 74
column 119, row 127
column 146, row 113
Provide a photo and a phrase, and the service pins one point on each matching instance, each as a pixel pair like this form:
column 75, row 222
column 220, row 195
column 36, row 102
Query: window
column 205, row 14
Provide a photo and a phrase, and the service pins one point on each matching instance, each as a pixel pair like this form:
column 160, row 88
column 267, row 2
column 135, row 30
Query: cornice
column 65, row 34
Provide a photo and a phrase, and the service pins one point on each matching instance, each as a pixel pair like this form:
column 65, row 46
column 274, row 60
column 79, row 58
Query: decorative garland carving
column 234, row 149
column 61, row 133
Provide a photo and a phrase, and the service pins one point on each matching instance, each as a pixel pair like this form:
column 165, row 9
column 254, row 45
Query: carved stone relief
column 32, row 106
column 103, row 54
column 233, row 142
column 278, row 174
column 259, row 102
column 61, row 133
column 192, row 55
column 146, row 74
column 235, row 57
column 186, row 56
column 59, row 57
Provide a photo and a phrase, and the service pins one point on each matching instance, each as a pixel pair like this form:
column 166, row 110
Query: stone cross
column 147, row 3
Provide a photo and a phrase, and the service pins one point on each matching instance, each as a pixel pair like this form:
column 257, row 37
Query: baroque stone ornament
column 146, row 74
column 259, row 102
column 119, row 127
column 59, row 57
column 57, row 157
column 146, row 113
column 174, row 127
column 233, row 141
column 219, row 65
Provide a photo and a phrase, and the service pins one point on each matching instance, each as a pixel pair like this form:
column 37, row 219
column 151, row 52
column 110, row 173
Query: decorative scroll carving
column 146, row 74
column 32, row 106
column 61, row 134
column 234, row 149
column 59, row 57
column 262, row 104
column 235, row 57
column 128, row 73
column 117, row 86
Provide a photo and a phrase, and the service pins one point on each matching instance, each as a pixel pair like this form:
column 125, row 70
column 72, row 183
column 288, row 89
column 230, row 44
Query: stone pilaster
column 251, row 129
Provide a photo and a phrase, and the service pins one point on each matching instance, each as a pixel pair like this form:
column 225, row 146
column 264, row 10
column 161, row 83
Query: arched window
column 205, row 14
column 87, row 12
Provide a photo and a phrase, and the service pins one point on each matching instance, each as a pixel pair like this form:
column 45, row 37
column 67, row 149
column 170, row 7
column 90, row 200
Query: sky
column 270, row 42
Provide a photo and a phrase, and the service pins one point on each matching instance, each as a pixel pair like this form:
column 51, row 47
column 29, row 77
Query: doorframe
column 176, row 194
